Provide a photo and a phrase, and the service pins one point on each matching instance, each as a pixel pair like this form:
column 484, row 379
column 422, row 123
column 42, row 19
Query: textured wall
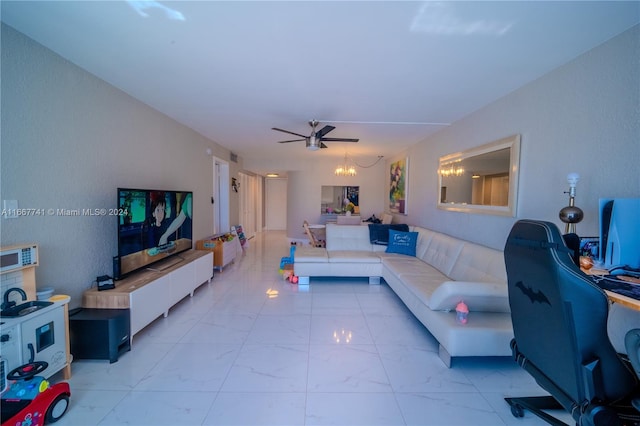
column 582, row 117
column 68, row 141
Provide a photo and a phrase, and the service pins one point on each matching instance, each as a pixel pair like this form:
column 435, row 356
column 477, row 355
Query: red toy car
column 30, row 400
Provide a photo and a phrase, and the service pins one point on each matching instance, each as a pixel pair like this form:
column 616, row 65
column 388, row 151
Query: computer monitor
column 620, row 232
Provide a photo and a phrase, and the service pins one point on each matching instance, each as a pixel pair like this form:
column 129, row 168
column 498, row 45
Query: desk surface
column 623, row 300
column 615, row 297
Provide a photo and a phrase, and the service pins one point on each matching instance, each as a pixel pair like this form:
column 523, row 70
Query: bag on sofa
column 379, row 233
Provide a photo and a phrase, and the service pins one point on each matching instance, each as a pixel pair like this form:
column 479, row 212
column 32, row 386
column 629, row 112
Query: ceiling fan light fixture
column 313, row 143
column 316, row 140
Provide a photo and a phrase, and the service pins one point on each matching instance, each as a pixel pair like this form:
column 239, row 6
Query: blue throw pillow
column 402, row 242
column 379, row 233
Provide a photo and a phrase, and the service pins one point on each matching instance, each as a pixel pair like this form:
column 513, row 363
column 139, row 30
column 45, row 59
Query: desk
column 627, row 301
column 623, row 300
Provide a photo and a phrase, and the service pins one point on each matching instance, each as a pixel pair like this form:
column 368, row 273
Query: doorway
column 276, row 204
column 220, row 197
column 248, row 203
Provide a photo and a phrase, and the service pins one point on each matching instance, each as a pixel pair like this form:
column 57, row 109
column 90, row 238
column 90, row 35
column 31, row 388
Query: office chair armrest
column 632, row 345
column 592, row 373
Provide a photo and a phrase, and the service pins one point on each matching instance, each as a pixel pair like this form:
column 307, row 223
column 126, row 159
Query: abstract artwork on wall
column 398, row 178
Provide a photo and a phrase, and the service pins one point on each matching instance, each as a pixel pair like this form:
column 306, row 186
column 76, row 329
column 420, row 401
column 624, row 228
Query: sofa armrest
column 479, row 297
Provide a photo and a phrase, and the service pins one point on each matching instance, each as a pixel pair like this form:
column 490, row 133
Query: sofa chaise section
column 444, row 272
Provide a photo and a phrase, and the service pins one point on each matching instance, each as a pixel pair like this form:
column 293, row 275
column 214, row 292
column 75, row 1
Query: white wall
column 304, row 192
column 583, row 117
column 69, row 140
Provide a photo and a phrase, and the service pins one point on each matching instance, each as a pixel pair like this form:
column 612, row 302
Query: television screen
column 155, row 225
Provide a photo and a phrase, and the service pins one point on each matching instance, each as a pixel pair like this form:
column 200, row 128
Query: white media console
column 150, row 293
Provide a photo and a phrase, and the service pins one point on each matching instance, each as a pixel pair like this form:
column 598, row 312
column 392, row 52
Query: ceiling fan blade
column 323, row 145
column 339, row 140
column 326, row 129
column 293, row 140
column 286, row 131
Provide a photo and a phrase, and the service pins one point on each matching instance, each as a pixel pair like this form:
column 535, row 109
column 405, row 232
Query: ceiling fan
column 316, row 139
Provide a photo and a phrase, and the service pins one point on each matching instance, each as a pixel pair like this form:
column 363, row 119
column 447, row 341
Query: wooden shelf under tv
column 150, row 292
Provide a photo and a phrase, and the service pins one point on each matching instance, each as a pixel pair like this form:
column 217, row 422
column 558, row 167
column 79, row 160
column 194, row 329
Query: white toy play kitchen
column 30, row 329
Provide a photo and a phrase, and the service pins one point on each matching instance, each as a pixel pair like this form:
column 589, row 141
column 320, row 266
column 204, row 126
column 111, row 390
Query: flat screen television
column 620, row 233
column 154, row 226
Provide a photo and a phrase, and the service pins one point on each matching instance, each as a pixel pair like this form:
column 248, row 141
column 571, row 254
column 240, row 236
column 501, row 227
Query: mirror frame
column 512, row 142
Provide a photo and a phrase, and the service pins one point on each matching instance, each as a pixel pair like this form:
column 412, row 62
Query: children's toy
column 462, row 312
column 29, row 400
column 287, row 274
column 288, row 260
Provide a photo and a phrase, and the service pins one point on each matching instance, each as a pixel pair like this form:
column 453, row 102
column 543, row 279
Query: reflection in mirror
column 482, row 179
column 339, row 199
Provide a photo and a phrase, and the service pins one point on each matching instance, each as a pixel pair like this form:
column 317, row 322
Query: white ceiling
column 388, row 72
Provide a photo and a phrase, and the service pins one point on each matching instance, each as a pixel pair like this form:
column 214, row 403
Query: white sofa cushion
column 353, row 256
column 310, row 255
column 338, row 269
column 442, row 252
column 348, row 237
column 410, row 266
column 479, row 297
column 422, row 286
column 424, row 239
column 479, row 263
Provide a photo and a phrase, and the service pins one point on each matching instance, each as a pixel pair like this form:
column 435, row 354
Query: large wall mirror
column 482, row 179
column 334, row 199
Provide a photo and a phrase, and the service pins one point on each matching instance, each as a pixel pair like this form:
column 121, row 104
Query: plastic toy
column 29, row 400
column 462, row 312
column 287, row 274
column 288, row 260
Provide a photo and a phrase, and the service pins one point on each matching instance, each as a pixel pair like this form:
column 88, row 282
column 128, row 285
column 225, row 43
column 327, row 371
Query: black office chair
column 632, row 345
column 560, row 326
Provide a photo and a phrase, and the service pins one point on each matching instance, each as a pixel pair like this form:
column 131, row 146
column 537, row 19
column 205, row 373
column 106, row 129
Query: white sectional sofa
column 444, row 271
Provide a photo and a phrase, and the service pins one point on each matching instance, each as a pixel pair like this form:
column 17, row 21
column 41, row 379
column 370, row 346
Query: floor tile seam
column 437, row 392
column 470, row 380
column 210, row 409
column 92, row 387
column 376, row 349
column 428, row 395
column 197, row 320
column 172, row 346
column 261, row 392
column 147, row 374
column 113, row 408
column 306, row 379
column 241, row 347
column 166, row 391
column 483, row 396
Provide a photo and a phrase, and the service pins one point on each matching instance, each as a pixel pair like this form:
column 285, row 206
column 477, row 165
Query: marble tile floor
column 252, row 349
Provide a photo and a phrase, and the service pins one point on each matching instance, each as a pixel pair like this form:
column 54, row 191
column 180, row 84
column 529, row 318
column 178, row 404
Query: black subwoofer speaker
column 99, row 333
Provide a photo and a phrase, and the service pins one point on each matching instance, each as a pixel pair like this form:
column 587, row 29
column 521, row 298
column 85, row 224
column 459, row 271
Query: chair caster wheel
column 517, row 410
